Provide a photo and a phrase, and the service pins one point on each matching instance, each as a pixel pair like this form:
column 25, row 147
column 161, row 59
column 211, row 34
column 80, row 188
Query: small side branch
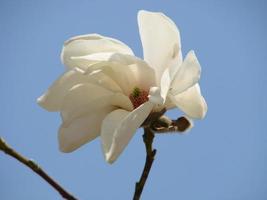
column 36, row 168
column 150, row 155
column 165, row 125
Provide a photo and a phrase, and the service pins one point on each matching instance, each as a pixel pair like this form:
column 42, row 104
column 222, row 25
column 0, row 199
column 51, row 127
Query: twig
column 36, row 168
column 168, row 126
column 156, row 123
column 150, row 155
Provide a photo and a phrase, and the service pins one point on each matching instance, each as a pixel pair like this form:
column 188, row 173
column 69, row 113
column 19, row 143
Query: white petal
column 81, row 130
column 84, row 98
column 85, row 62
column 127, row 71
column 88, row 98
column 108, row 130
column 89, row 44
column 121, row 101
column 119, row 127
column 161, row 41
column 165, row 84
column 191, row 102
column 83, row 110
column 187, row 75
column 169, row 103
column 52, row 99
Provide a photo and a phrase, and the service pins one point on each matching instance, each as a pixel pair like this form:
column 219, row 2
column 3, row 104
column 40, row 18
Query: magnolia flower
column 107, row 91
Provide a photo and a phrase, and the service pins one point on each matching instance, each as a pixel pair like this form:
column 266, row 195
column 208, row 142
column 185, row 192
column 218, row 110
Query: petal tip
column 63, row 147
column 44, row 103
column 203, row 112
column 145, row 13
column 141, row 12
column 205, row 108
column 64, row 143
column 192, row 52
column 41, row 101
column 109, row 159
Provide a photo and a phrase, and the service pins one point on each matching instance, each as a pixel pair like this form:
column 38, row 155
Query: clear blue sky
column 224, row 157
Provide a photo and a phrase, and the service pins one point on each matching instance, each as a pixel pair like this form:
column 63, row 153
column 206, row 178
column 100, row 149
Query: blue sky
column 224, row 157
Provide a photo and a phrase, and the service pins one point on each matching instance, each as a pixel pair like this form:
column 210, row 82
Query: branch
column 156, row 123
column 36, row 168
column 150, row 155
column 165, row 125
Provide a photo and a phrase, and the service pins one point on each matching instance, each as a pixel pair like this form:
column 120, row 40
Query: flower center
column 138, row 97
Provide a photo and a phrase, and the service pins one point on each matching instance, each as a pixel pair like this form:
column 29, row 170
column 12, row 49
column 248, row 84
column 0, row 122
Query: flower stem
column 36, row 168
column 150, row 155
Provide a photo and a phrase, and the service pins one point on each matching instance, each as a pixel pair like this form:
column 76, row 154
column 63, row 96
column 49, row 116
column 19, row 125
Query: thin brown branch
column 36, row 168
column 150, row 155
column 156, row 123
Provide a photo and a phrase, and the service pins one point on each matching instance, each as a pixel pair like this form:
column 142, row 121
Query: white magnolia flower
column 108, row 92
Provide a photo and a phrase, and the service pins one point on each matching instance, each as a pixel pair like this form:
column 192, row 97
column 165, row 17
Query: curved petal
column 169, row 104
column 191, row 102
column 188, row 74
column 81, row 130
column 83, row 110
column 83, row 97
column 161, row 41
column 87, row 61
column 52, row 99
column 121, row 101
column 88, row 44
column 127, row 71
column 119, row 127
column 165, row 84
column 88, row 98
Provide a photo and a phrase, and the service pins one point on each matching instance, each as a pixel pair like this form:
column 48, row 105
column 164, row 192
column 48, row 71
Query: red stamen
column 139, row 99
